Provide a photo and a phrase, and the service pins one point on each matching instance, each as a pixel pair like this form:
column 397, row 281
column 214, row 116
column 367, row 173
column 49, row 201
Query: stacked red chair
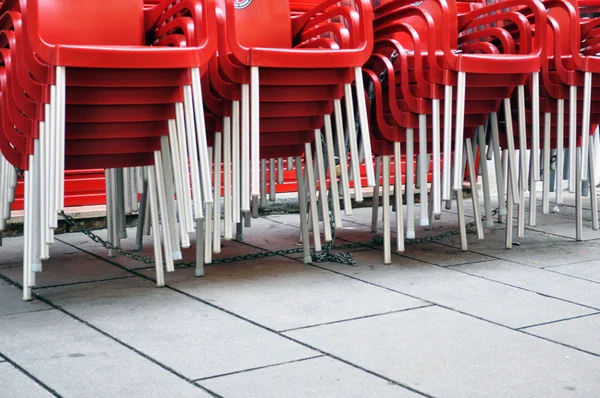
column 91, row 94
column 275, row 90
column 426, row 50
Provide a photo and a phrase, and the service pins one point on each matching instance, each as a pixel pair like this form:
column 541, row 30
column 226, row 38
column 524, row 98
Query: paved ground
column 437, row 322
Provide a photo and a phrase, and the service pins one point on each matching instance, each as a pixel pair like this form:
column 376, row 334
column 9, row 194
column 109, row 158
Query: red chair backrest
column 432, row 8
column 263, row 23
column 91, row 22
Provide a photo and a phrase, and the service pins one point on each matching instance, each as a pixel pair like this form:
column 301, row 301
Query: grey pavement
column 437, row 322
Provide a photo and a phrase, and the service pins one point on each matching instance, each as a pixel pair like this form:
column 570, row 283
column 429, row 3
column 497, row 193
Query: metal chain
column 325, row 255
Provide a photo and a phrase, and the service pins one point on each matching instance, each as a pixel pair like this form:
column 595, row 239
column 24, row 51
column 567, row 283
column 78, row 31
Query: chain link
column 325, row 255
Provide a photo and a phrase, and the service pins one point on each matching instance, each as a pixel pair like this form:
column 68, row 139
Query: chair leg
column 208, row 221
column 109, row 205
column 254, row 130
column 272, row 173
column 485, row 177
column 398, row 197
column 578, row 204
column 48, row 159
column 512, row 155
column 343, row 156
column 560, row 126
column 535, row 139
column 303, row 212
column 245, row 148
column 142, row 218
column 116, row 239
column 192, row 146
column 200, row 244
column 447, row 162
column 509, row 214
column 61, row 106
column 532, row 192
column 263, row 186
column 53, row 159
column 410, row 186
column 521, row 207
column 175, row 165
column 280, row 170
column 436, row 178
column 462, row 226
column 36, row 242
column 228, row 233
column 459, row 132
column 387, row 244
column 200, row 130
column 310, row 177
column 43, row 216
column 352, row 138
column 164, row 214
column 375, row 199
column 170, row 198
column 474, row 190
column 585, row 124
column 216, row 245
column 592, row 181
column 522, row 139
column 333, row 184
column 546, row 175
column 235, row 162
column 365, row 136
column 572, row 136
column 322, row 185
column 27, row 230
column 422, row 175
column 153, row 201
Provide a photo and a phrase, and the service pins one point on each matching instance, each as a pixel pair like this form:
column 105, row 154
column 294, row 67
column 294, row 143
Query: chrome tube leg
column 387, row 244
column 303, row 212
column 375, row 199
column 410, row 186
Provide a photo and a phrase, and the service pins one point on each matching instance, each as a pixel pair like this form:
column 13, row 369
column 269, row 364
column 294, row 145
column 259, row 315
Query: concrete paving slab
column 443, row 255
column 476, row 296
column 284, row 294
column 447, row 354
column 75, row 360
column 15, row 384
column 589, row 270
column 11, row 251
column 68, row 268
column 579, row 332
column 319, row 377
column 228, row 248
column 12, row 303
column 538, row 280
column 563, row 224
column 189, row 336
column 535, row 248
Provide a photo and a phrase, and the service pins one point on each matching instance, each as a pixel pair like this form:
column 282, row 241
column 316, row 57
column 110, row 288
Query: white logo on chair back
column 241, row 4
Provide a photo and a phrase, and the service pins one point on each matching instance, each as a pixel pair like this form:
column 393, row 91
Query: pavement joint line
column 27, row 312
column 116, row 278
column 571, row 276
column 523, row 288
column 559, row 320
column 463, row 313
column 356, row 318
column 106, row 334
column 240, row 317
column 29, row 375
column 260, row 367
